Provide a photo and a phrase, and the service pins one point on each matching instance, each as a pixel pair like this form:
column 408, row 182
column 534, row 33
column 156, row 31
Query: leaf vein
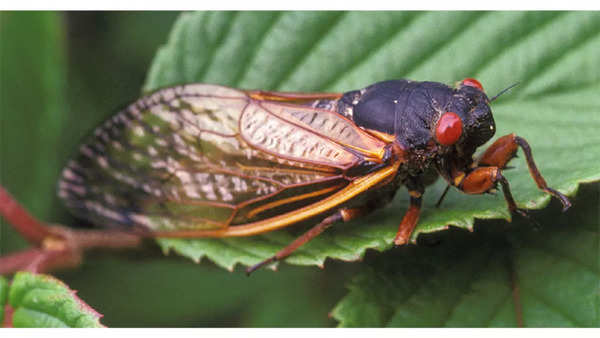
column 553, row 307
column 219, row 43
column 304, row 55
column 514, row 42
column 565, row 257
column 580, row 39
column 467, row 286
column 497, row 309
column 371, row 51
column 438, row 48
column 246, row 68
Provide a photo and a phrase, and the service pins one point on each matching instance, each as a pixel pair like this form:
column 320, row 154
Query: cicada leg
column 487, row 173
column 410, row 219
column 340, row 215
column 485, row 179
column 498, row 155
column 505, row 148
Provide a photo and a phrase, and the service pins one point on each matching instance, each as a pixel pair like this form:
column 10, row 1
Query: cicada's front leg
column 488, row 172
column 504, row 149
column 485, row 179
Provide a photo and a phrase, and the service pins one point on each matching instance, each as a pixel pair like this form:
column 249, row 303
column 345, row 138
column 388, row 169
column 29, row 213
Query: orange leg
column 340, row 215
column 505, row 148
column 484, row 179
column 410, row 219
column 497, row 156
column 500, row 152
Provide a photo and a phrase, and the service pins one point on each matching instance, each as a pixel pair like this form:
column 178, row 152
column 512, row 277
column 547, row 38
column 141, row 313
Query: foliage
column 471, row 279
column 44, row 301
column 555, row 108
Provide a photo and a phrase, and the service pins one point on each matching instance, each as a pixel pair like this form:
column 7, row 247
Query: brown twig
column 8, row 314
column 19, row 260
column 28, row 226
column 54, row 247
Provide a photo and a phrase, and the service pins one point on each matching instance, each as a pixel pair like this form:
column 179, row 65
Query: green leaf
column 44, row 301
column 471, row 279
column 554, row 108
column 32, row 103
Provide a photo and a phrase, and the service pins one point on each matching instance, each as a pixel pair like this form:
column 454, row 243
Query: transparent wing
column 206, row 157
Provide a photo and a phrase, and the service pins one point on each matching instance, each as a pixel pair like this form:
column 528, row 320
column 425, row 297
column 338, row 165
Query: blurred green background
column 61, row 75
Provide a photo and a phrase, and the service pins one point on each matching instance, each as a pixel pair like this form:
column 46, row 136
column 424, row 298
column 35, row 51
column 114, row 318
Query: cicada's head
column 466, row 121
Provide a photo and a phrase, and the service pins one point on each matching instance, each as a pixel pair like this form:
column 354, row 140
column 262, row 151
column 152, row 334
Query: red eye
column 472, row 83
column 448, row 129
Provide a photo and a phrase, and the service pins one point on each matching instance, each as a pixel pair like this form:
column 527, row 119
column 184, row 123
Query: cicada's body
column 202, row 160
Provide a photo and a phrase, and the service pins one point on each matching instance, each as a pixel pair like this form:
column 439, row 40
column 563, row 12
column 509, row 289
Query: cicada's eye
column 472, row 83
column 448, row 129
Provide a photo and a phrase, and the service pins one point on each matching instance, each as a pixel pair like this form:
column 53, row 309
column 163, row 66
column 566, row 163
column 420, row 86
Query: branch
column 55, row 247
column 19, row 260
column 28, row 226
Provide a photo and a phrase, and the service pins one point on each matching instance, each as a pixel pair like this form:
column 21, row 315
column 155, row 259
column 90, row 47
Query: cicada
column 202, row 160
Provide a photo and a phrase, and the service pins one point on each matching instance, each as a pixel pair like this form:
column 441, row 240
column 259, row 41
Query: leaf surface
column 534, row 278
column 44, row 301
column 555, row 107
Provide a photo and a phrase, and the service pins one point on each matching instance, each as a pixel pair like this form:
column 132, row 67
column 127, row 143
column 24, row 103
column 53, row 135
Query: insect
column 201, row 160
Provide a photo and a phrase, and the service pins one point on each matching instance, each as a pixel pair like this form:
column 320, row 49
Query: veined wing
column 203, row 157
column 307, row 134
